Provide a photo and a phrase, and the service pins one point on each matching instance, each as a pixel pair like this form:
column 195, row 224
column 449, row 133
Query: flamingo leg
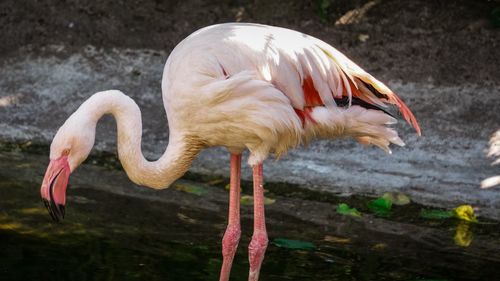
column 258, row 245
column 233, row 230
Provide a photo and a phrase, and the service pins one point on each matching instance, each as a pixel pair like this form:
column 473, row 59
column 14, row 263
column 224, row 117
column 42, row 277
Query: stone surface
column 442, row 168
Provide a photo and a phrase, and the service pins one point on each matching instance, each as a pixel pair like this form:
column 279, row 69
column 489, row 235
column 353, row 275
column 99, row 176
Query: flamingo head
column 70, row 147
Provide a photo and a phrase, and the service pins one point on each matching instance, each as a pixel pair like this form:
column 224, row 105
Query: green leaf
column 380, row 206
column 248, row 200
column 269, row 201
column 345, row 210
column 189, row 188
column 397, row 198
column 293, row 244
column 465, row 212
column 436, row 214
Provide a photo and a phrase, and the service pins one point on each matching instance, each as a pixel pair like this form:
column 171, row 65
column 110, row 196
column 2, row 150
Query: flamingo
column 494, row 151
column 242, row 86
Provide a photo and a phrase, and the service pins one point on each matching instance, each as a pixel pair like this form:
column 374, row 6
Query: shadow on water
column 117, row 231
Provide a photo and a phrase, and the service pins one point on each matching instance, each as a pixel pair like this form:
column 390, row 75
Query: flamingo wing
column 269, row 89
column 307, row 70
column 328, row 77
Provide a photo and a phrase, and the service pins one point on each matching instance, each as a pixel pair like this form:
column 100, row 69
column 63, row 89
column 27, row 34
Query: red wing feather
column 311, row 95
column 407, row 114
column 368, row 92
column 376, row 97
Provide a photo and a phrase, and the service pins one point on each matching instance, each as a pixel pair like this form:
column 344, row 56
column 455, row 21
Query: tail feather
column 355, row 81
column 407, row 114
column 368, row 126
column 380, row 93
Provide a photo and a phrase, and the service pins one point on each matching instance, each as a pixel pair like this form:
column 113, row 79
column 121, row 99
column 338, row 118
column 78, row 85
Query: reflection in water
column 463, row 234
column 113, row 237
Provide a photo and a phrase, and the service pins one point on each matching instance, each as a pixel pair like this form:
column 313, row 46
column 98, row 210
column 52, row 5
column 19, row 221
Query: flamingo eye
column 65, row 152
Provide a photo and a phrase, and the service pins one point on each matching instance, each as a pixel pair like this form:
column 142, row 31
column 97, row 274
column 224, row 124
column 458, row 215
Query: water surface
column 116, row 231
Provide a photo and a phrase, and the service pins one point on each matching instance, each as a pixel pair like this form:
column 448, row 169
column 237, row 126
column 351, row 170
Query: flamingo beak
column 54, row 186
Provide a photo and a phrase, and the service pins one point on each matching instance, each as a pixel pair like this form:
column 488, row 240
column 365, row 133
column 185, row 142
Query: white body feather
column 237, row 85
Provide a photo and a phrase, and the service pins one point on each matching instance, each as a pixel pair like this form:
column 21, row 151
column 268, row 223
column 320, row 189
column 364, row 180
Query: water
column 116, row 231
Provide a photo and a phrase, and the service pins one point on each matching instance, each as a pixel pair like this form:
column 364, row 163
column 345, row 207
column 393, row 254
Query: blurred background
column 442, row 57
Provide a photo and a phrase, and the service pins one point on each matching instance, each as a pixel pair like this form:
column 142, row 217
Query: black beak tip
column 57, row 212
column 62, row 210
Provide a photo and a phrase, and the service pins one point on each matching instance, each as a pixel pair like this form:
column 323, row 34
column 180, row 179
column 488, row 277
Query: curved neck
column 174, row 162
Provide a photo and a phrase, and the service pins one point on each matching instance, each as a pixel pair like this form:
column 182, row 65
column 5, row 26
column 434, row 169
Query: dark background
column 446, row 41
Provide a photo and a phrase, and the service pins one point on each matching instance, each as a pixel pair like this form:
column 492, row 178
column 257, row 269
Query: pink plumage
column 244, row 87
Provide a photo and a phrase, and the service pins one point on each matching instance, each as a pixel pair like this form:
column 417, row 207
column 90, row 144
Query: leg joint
column 230, row 240
column 258, row 245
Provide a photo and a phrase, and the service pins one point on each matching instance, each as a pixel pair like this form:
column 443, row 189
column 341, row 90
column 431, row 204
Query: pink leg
column 232, row 234
column 258, row 245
